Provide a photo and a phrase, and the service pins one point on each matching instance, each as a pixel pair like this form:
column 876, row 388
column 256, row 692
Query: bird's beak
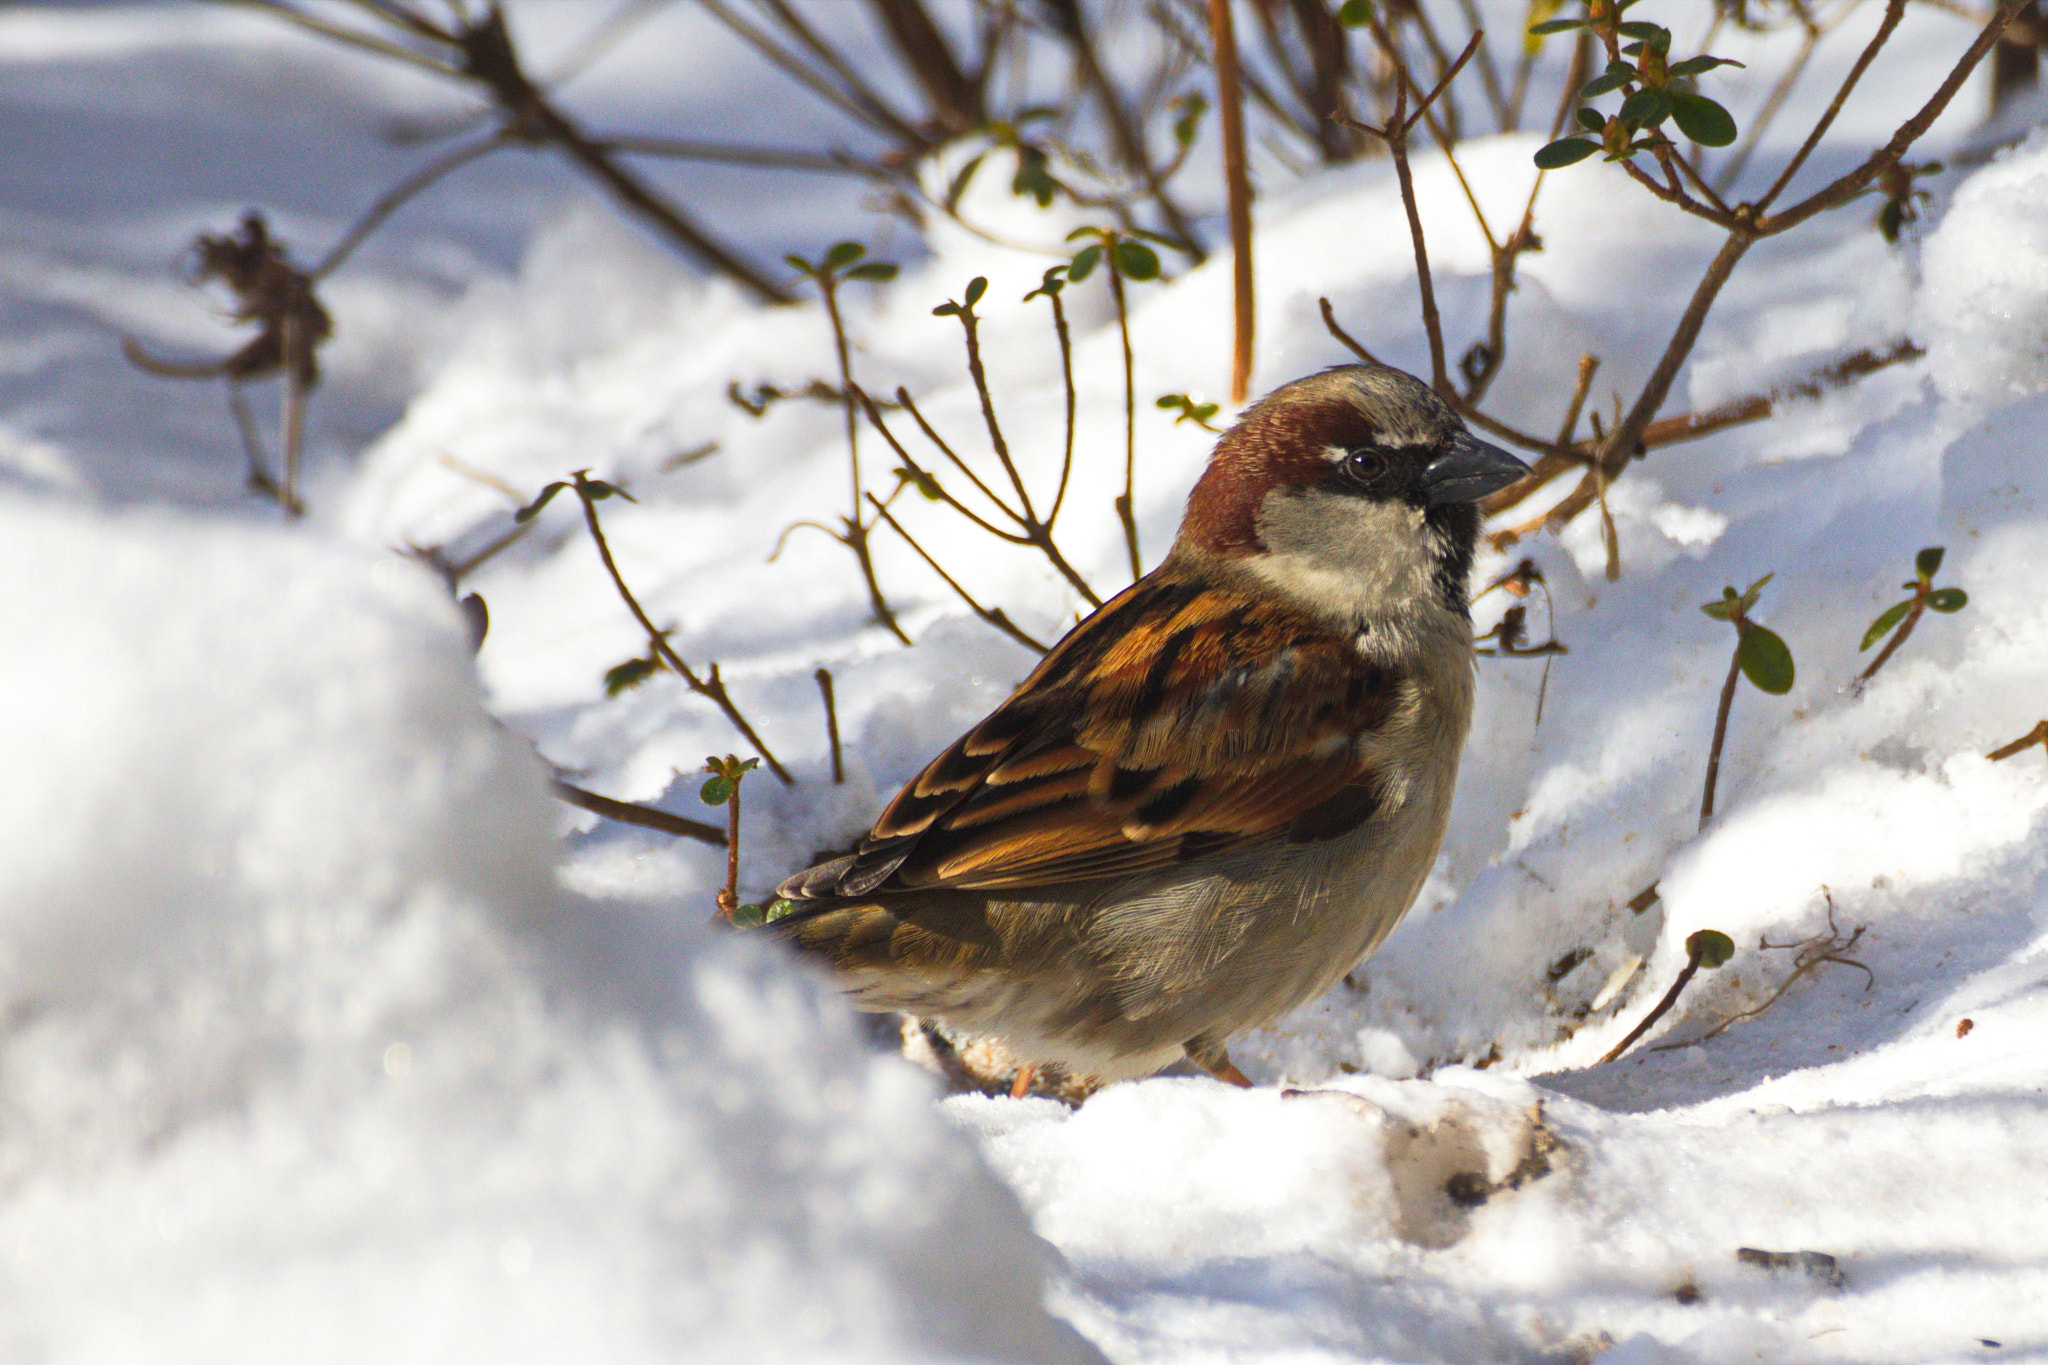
column 1469, row 470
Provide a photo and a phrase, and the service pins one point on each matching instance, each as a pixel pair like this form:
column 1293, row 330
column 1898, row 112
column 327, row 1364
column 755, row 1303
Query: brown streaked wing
column 1181, row 719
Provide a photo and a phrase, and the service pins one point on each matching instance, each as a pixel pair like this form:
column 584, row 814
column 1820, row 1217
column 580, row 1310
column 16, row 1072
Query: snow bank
column 1987, row 281
column 308, row 1058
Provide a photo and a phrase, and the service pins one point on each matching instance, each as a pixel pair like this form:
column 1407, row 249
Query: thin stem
column 1909, row 132
column 2037, row 735
column 729, row 894
column 1685, row 976
column 972, row 326
column 295, row 386
column 1894, row 11
column 856, row 537
column 1125, row 504
column 993, row 615
column 1059, row 323
column 1238, row 189
column 1720, row 734
column 395, row 197
column 1913, row 615
column 709, row 686
column 824, row 679
column 1621, row 445
column 632, row 813
column 1350, row 343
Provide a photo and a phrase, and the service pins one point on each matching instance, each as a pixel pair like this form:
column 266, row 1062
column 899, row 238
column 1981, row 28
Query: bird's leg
column 1212, row 1058
column 1021, row 1086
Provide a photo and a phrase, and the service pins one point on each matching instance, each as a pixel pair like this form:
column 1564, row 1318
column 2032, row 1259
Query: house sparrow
column 1218, row 792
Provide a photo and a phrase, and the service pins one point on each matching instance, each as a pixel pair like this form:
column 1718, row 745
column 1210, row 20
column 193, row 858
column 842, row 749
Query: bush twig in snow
column 1760, row 655
column 1899, row 619
column 722, row 788
column 589, row 492
column 1237, row 186
column 2037, row 735
column 841, row 263
column 632, row 813
column 1707, row 948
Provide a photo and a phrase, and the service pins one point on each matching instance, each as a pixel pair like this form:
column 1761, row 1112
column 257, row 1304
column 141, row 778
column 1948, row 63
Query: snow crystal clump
column 1985, row 301
column 307, row 1057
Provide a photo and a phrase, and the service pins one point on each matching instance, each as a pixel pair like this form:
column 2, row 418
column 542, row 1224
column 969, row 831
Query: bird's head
column 1352, row 491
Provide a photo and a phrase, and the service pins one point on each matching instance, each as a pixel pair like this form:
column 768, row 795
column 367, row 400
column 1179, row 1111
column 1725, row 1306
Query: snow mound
column 308, row 1057
column 1985, row 302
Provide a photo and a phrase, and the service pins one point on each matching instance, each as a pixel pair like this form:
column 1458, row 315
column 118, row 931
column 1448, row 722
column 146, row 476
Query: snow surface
column 329, row 1037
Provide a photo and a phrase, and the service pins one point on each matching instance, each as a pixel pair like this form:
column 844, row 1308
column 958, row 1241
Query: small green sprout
column 1704, row 949
column 1899, row 619
column 1189, row 410
column 722, row 788
column 1760, row 655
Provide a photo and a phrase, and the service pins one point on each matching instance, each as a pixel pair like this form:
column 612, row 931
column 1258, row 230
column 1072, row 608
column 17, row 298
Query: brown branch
column 824, row 680
column 1894, row 11
column 2037, row 735
column 1349, row 343
column 1238, row 190
column 1909, row 132
column 631, row 813
column 709, row 686
column 395, row 197
column 995, row 616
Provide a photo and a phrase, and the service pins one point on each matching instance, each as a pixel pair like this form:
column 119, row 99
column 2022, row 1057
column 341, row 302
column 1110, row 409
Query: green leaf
column 598, row 490
column 532, row 509
column 1137, row 261
column 1882, row 626
column 1764, row 658
column 1617, row 75
column 776, row 910
column 1928, row 562
column 1754, row 591
column 958, row 185
column 1646, row 108
column 629, row 675
column 800, row 265
column 926, row 484
column 1709, row 947
column 976, row 287
column 1646, row 31
column 1193, row 106
column 1702, row 120
column 1948, row 599
column 1033, row 177
column 1550, row 26
column 1355, row 13
column 1890, row 219
column 749, row 916
column 878, row 271
column 1566, row 151
column 748, row 766
column 1590, row 120
column 1721, row 611
column 1083, row 264
column 1698, row 66
column 948, row 309
column 844, row 254
column 716, row 791
column 1049, row 285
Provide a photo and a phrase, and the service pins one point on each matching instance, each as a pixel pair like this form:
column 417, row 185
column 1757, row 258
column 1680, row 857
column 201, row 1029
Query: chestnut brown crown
column 1365, row 431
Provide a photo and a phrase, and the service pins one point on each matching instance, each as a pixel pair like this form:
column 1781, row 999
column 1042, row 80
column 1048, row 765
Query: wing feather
column 1181, row 719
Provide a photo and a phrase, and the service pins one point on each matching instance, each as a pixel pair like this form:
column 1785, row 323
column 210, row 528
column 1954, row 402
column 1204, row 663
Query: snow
column 329, row 1036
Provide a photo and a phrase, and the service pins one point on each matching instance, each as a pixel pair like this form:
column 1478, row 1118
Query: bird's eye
column 1365, row 464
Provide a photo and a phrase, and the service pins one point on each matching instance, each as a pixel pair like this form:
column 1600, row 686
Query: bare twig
column 2037, row 735
column 709, row 685
column 632, row 813
column 1238, row 190
column 995, row 616
column 824, row 680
